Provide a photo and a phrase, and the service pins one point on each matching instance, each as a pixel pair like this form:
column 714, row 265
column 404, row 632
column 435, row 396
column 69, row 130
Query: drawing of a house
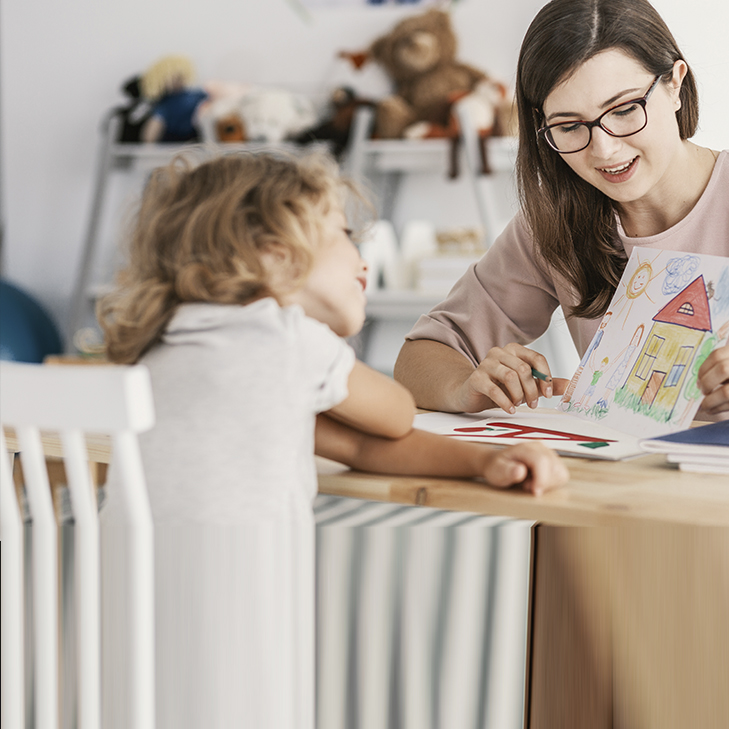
column 659, row 373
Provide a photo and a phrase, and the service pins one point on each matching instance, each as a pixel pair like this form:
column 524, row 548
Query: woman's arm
column 419, row 453
column 459, row 357
column 376, row 404
column 441, row 378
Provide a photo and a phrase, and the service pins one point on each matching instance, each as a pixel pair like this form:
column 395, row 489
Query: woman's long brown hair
column 574, row 224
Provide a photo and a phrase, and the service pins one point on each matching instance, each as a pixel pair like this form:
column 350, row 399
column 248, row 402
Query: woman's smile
column 621, row 172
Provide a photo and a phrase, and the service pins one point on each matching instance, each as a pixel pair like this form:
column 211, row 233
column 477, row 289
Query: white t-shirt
column 236, row 391
column 231, row 475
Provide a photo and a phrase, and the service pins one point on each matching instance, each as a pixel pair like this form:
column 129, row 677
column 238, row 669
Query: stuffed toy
column 167, row 84
column 275, row 115
column 245, row 113
column 419, row 56
column 336, row 124
column 133, row 115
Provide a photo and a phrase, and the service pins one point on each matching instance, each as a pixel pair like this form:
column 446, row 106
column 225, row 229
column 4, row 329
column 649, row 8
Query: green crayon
column 540, row 375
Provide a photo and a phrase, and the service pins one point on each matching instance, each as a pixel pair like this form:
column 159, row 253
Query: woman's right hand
column 504, row 379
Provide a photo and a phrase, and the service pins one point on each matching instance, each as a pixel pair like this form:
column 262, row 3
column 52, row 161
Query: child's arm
column 376, row 404
column 420, row 453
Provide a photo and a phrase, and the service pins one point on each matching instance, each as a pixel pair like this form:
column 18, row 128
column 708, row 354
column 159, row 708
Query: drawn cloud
column 679, row 274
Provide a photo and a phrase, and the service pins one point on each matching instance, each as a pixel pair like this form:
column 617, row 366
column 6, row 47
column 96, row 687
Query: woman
column 607, row 106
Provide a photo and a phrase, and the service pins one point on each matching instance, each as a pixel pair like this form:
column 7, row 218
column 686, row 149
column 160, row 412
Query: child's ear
column 278, row 265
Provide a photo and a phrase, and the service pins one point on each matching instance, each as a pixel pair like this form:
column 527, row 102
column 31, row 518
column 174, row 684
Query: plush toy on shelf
column 336, row 125
column 168, row 85
column 419, row 56
column 134, row 114
column 237, row 112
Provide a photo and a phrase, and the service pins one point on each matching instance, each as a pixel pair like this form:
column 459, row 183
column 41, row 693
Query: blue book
column 704, row 449
column 711, row 439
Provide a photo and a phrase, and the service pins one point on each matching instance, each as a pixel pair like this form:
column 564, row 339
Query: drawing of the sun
column 639, row 280
column 636, row 286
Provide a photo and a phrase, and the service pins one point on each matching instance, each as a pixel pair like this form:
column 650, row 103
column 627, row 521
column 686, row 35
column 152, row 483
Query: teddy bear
column 431, row 88
column 419, row 56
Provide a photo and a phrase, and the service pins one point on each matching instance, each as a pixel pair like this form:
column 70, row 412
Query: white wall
column 62, row 64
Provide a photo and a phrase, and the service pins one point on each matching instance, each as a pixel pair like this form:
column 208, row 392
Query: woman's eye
column 626, row 110
column 568, row 128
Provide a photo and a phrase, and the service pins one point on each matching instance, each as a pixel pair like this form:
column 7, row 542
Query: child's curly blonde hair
column 200, row 233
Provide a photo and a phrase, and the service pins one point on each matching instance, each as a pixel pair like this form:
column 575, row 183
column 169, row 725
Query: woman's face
column 627, row 169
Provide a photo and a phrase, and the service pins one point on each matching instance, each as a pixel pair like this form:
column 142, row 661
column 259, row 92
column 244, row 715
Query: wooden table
column 630, row 606
column 642, row 491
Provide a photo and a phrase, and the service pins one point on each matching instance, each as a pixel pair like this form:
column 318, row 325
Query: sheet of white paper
column 638, row 376
column 561, row 432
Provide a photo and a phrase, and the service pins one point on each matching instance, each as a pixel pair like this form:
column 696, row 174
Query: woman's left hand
column 713, row 381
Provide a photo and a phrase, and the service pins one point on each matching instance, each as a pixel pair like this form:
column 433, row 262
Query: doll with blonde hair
column 168, row 84
column 242, row 285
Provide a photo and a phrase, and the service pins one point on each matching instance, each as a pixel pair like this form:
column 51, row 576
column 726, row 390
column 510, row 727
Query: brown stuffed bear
column 419, row 55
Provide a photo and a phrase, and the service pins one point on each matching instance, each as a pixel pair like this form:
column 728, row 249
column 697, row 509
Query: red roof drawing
column 689, row 308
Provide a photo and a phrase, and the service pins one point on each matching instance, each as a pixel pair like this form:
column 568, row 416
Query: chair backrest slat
column 86, row 572
column 73, row 401
column 12, row 626
column 44, row 572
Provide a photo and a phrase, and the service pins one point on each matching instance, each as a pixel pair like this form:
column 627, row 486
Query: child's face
column 333, row 292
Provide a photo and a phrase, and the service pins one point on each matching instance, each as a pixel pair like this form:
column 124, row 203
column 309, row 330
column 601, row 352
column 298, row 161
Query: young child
column 241, row 285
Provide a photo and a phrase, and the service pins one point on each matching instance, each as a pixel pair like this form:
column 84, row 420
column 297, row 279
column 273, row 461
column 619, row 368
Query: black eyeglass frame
column 543, row 132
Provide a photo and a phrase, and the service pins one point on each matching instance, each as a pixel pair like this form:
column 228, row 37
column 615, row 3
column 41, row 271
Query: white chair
column 72, row 401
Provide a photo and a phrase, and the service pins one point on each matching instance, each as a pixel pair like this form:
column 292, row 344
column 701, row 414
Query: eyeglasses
column 622, row 120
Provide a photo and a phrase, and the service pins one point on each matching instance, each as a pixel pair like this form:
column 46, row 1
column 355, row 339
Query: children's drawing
column 561, row 432
column 679, row 273
column 691, row 392
column 587, row 358
column 590, row 391
column 518, row 431
column 617, row 373
column 635, row 286
column 656, row 379
column 653, row 345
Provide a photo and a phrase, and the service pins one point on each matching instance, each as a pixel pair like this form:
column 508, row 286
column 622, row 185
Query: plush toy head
column 416, row 46
column 168, row 74
column 273, row 115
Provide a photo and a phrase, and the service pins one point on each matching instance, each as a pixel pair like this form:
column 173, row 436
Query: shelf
column 154, row 152
column 397, row 304
column 412, row 155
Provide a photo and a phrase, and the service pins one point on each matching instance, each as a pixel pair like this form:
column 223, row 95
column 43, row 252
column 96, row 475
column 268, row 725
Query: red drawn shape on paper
column 527, row 432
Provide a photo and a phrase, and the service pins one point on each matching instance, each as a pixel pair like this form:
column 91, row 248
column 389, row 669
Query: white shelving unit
column 382, row 165
column 384, row 162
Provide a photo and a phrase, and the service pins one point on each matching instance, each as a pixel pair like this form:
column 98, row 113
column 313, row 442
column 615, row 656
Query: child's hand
column 532, row 465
